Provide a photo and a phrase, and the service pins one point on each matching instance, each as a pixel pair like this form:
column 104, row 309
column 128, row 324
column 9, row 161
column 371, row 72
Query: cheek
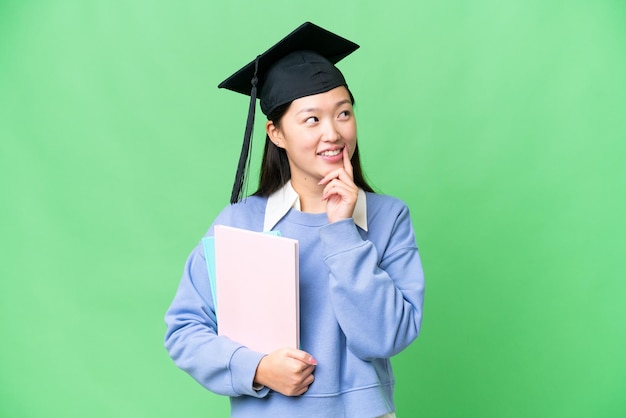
column 349, row 133
column 300, row 142
column 303, row 139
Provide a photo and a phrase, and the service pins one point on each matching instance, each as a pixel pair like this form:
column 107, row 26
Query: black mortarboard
column 299, row 65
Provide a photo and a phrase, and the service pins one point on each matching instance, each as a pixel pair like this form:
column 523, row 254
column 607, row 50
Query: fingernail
column 312, row 361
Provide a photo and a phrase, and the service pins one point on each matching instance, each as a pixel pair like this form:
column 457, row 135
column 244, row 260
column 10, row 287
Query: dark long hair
column 275, row 170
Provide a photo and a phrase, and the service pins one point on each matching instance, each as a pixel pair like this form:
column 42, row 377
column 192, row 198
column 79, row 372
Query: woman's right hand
column 287, row 370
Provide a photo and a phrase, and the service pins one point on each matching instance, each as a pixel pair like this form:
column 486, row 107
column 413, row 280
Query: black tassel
column 244, row 157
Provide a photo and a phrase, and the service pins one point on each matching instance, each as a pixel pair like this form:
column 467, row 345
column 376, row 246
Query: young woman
column 361, row 280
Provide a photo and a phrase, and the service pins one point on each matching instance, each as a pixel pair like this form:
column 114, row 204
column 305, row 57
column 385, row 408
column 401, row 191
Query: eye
column 344, row 114
column 311, row 119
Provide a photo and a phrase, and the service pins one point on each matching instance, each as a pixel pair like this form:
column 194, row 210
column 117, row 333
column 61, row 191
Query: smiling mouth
column 330, row 153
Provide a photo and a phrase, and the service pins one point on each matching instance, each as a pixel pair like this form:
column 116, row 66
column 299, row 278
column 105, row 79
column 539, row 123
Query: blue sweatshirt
column 361, row 297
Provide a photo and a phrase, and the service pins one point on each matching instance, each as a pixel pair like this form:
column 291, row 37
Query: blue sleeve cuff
column 340, row 236
column 243, row 365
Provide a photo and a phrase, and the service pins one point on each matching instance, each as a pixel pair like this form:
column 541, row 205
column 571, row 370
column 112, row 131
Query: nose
column 330, row 133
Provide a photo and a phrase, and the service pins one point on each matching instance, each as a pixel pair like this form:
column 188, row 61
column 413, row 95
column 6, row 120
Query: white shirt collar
column 279, row 203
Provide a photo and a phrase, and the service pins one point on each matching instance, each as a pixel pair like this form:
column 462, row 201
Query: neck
column 310, row 195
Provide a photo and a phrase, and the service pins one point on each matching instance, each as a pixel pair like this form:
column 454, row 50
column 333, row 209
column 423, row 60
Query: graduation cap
column 299, row 65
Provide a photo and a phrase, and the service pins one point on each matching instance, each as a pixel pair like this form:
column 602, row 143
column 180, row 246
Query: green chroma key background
column 502, row 124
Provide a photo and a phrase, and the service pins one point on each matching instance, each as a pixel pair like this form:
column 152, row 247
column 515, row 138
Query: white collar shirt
column 286, row 198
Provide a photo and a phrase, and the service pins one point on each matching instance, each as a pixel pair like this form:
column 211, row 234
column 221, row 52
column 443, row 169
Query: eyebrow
column 313, row 109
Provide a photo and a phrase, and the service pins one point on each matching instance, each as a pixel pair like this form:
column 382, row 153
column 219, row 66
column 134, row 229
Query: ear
column 274, row 133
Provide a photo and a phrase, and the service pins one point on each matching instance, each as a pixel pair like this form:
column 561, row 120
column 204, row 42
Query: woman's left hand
column 340, row 192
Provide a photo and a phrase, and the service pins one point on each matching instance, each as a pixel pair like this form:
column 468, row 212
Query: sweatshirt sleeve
column 217, row 363
column 377, row 298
